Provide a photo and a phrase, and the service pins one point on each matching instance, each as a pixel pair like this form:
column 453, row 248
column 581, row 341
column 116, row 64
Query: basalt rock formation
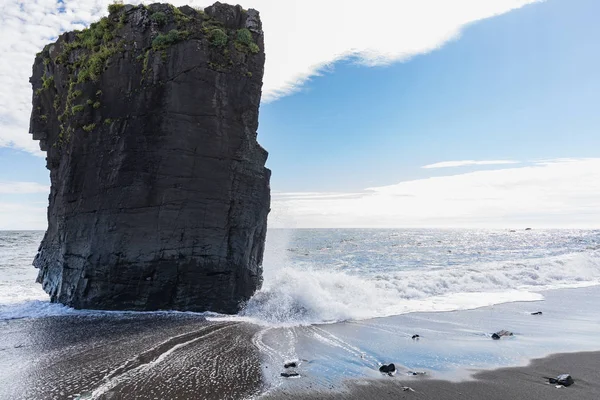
column 160, row 194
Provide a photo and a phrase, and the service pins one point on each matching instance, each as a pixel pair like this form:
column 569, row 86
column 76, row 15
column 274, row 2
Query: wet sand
column 127, row 357
column 524, row 383
column 90, row 355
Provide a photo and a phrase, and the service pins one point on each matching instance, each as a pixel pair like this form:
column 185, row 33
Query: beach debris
column 290, row 374
column 527, row 229
column 536, row 313
column 415, row 373
column 562, row 380
column 291, row 364
column 416, row 337
column 389, row 369
column 407, row 389
column 499, row 334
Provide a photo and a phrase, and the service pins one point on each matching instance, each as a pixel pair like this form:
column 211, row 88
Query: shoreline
column 525, row 382
column 185, row 356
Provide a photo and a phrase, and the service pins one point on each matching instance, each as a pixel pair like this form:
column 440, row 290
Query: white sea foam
column 33, row 309
column 321, row 276
column 306, row 296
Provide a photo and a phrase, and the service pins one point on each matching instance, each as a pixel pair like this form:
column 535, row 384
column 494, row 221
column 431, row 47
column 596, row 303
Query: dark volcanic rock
column 159, row 195
column 387, row 369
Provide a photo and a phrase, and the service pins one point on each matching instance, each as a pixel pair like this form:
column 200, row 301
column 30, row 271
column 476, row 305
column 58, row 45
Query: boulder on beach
column 502, row 333
column 387, row 369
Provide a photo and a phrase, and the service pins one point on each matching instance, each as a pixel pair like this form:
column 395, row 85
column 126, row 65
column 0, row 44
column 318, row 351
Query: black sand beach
column 170, row 356
column 525, row 383
column 94, row 355
column 127, row 357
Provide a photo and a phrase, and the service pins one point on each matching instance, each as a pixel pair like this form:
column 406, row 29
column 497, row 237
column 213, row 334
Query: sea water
column 329, row 275
column 341, row 302
column 314, row 276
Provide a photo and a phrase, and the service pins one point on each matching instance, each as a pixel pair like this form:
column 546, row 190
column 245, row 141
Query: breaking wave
column 308, row 296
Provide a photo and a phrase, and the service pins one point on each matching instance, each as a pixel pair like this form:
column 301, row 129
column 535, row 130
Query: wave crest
column 308, row 296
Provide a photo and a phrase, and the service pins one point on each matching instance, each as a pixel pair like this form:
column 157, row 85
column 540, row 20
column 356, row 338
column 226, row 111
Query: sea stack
column 159, row 192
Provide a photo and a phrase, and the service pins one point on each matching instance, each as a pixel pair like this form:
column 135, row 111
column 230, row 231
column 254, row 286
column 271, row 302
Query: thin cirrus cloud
column 302, row 38
column 559, row 193
column 468, row 163
column 22, row 188
column 15, row 216
column 17, row 211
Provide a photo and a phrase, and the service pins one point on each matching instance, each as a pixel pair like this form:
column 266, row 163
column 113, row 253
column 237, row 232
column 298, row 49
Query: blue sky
column 524, row 85
column 521, row 86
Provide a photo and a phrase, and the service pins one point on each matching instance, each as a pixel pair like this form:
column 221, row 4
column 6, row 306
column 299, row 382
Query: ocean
column 317, row 276
column 337, row 302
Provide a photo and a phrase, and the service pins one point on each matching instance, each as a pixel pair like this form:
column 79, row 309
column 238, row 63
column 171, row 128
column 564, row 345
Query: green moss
column 244, row 42
column 180, row 18
column 98, row 39
column 108, row 121
column 47, row 82
column 44, row 117
column 90, row 127
column 96, row 105
column 163, row 41
column 46, row 61
column 77, row 108
column 218, row 37
column 115, row 7
column 159, row 18
column 74, row 94
column 99, row 93
column 253, row 48
column 146, row 61
column 122, row 20
column 244, row 36
column 94, row 35
column 249, row 74
column 56, row 103
column 83, row 76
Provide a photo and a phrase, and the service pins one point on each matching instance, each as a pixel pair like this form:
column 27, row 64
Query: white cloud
column 466, row 163
column 22, row 188
column 17, row 214
column 302, row 38
column 553, row 193
column 22, row 216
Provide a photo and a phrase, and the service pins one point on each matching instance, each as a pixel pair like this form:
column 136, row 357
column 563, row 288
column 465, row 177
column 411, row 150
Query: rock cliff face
column 159, row 196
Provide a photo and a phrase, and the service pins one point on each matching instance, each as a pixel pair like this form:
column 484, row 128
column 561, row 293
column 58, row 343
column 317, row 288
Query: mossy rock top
column 72, row 67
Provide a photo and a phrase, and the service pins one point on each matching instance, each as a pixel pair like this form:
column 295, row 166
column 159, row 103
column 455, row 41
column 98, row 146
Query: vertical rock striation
column 159, row 195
